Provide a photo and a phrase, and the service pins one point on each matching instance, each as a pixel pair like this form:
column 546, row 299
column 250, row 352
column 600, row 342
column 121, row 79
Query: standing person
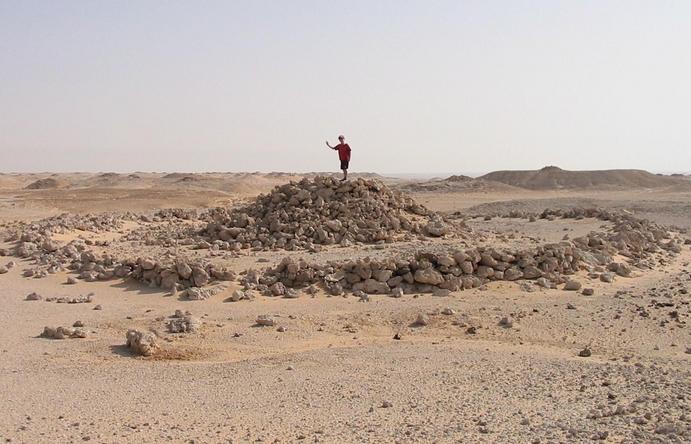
column 343, row 155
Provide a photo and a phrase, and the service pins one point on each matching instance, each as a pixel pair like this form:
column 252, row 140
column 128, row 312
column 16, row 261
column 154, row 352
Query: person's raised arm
column 329, row 145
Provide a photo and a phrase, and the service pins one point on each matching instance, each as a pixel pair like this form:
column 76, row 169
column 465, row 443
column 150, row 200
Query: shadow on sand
column 122, row 350
column 134, row 286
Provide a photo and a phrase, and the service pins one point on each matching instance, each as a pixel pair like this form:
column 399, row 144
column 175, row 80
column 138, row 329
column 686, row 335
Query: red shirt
column 343, row 151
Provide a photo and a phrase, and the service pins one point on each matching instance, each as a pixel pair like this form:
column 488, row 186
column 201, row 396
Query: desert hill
column 552, row 177
column 455, row 183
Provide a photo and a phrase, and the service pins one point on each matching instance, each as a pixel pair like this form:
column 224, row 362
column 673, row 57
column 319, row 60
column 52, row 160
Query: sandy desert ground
column 440, row 313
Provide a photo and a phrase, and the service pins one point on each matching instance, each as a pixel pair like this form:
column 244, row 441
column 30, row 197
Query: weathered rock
column 199, row 276
column 169, row 279
column 531, row 272
column 237, row 295
column 186, row 324
column 397, row 292
column 441, row 292
column 147, row 263
column 512, row 274
column 607, row 277
column 142, row 343
column 620, row 268
column 62, row 333
column 585, row 353
column 265, row 321
column 291, row 294
column 372, row 286
column 198, row 294
column 33, row 297
column 183, row 269
column 572, row 285
column 334, row 289
column 278, row 289
column 429, row 276
column 422, row 319
column 437, row 229
column 588, row 292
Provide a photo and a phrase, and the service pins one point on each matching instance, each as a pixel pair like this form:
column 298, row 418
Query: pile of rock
column 44, row 228
column 62, row 333
column 324, row 211
column 442, row 272
column 172, row 274
column 183, row 324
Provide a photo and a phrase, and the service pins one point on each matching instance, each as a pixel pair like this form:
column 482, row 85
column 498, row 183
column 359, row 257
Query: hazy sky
column 415, row 86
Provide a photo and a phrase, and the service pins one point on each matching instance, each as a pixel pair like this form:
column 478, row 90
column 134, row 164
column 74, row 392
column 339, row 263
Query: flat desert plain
column 269, row 307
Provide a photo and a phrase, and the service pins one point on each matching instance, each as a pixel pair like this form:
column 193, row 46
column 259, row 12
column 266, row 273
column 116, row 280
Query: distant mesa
column 552, row 177
column 43, row 184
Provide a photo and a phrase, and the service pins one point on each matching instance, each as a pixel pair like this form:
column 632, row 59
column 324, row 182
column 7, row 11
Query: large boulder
column 429, row 276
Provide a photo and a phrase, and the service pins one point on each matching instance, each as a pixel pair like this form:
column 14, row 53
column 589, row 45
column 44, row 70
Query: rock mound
column 643, row 242
column 552, row 177
column 325, row 211
column 43, row 184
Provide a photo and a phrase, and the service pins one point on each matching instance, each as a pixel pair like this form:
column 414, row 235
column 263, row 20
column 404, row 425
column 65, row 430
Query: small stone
column 282, row 329
column 71, row 280
column 544, row 283
column 33, row 297
column 78, row 324
column 291, row 293
column 421, row 320
column 364, row 297
column 98, row 307
column 588, row 292
column 585, row 353
column 506, row 322
column 448, row 311
column 237, row 295
column 607, row 277
column 397, row 337
column 386, row 404
column 265, row 321
column 397, row 292
column 572, row 285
